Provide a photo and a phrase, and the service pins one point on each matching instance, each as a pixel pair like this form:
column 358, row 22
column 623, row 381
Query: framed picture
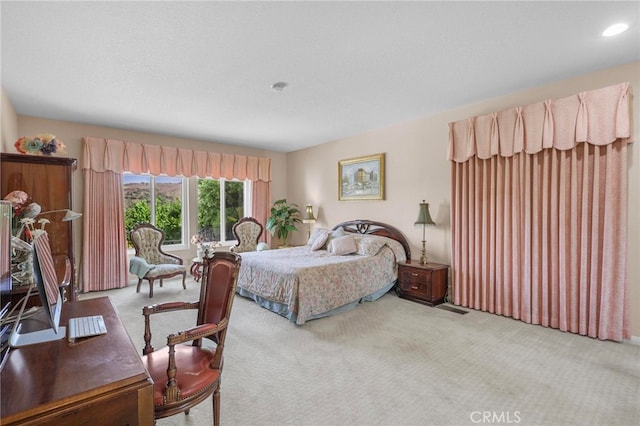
column 361, row 178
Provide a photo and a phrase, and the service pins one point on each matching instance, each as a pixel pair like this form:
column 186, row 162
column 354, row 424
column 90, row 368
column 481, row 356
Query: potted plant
column 283, row 219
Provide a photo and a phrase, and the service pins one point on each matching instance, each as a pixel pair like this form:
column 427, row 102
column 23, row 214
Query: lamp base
column 423, row 258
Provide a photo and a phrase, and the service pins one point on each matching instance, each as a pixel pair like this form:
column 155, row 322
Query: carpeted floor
column 396, row 362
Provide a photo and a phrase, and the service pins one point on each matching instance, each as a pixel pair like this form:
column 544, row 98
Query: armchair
column 150, row 262
column 247, row 231
column 186, row 374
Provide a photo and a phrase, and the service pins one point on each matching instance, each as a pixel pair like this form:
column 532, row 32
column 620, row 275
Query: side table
column 425, row 284
column 196, row 268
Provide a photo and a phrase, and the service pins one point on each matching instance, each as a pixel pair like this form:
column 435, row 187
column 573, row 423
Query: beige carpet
column 396, row 362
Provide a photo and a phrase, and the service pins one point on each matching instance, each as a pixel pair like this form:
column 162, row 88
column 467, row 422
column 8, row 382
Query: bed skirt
column 283, row 309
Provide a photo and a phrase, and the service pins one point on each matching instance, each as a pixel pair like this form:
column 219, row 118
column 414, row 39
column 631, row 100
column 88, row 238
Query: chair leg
column 216, row 406
column 151, row 288
column 139, row 284
column 184, row 277
column 161, row 282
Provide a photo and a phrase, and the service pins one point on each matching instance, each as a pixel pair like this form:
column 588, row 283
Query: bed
column 305, row 283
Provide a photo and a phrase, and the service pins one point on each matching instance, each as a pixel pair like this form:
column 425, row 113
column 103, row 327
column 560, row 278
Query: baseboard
column 635, row 340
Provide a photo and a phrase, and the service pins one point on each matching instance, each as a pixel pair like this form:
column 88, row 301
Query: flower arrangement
column 30, row 231
column 205, row 248
column 42, row 144
column 24, row 214
column 197, row 239
column 18, row 199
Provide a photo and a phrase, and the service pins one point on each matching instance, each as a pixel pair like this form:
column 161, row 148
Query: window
column 221, row 203
column 159, row 200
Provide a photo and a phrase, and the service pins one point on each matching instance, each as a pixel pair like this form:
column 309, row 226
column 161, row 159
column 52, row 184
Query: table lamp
column 424, row 219
column 308, row 217
column 68, row 215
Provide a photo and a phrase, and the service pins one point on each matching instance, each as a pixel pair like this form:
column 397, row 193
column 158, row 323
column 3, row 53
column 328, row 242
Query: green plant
column 283, row 219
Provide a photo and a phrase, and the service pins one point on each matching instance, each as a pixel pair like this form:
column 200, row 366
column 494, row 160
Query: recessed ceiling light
column 279, row 86
column 615, row 29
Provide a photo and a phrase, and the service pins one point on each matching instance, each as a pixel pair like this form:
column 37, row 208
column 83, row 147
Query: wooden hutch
column 48, row 181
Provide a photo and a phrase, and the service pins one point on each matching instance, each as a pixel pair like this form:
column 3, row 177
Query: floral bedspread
column 313, row 282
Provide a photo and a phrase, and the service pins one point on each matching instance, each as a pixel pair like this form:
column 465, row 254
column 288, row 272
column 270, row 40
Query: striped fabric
column 47, row 268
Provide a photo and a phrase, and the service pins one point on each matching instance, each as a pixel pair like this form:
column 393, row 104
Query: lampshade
column 69, row 214
column 424, row 217
column 308, row 215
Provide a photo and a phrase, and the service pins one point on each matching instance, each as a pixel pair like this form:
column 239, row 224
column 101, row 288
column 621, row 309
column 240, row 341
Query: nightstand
column 425, row 284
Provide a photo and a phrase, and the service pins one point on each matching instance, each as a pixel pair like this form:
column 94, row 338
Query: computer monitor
column 44, row 326
column 6, row 214
column 5, row 258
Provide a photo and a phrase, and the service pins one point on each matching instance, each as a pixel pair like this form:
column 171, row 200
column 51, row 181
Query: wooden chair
column 186, row 374
column 150, row 262
column 247, row 231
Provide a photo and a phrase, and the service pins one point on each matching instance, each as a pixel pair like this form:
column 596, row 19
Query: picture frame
column 361, row 178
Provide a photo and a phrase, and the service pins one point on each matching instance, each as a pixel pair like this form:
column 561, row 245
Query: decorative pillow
column 343, row 245
column 335, row 234
column 320, row 241
column 369, row 246
column 317, row 233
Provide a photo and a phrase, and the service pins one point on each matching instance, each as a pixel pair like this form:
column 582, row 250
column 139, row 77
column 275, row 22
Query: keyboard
column 80, row 327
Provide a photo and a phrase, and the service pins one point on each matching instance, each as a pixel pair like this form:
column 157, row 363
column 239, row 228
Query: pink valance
column 103, row 155
column 598, row 117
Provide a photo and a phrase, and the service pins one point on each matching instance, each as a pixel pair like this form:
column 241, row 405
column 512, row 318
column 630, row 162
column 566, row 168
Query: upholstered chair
column 150, row 262
column 247, row 231
column 189, row 369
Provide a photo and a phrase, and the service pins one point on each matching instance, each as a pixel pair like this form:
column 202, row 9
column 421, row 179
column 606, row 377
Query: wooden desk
column 98, row 380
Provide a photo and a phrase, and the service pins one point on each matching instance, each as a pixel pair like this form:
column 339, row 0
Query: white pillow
column 343, row 245
column 320, row 241
column 335, row 234
column 317, row 233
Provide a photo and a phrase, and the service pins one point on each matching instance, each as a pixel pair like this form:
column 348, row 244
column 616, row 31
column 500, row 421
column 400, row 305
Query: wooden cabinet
column 425, row 284
column 47, row 181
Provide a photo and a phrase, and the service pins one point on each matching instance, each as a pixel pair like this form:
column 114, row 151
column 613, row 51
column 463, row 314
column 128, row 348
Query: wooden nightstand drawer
column 423, row 283
column 416, row 282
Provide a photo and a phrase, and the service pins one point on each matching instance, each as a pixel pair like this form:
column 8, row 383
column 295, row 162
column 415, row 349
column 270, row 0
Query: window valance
column 121, row 156
column 598, row 117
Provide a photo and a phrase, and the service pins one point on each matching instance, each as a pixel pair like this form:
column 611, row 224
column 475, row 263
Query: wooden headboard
column 363, row 226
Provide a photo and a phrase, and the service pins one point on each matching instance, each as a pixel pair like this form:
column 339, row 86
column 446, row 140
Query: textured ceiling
column 203, row 70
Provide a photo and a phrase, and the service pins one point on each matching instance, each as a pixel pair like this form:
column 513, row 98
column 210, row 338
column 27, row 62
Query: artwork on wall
column 361, row 178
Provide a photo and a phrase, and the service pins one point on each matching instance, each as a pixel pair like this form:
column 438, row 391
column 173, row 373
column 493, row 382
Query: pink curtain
column 261, row 201
column 104, row 245
column 539, row 210
column 104, row 262
column 118, row 156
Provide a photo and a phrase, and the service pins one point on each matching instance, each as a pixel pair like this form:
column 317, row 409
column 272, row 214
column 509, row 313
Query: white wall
column 8, row 122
